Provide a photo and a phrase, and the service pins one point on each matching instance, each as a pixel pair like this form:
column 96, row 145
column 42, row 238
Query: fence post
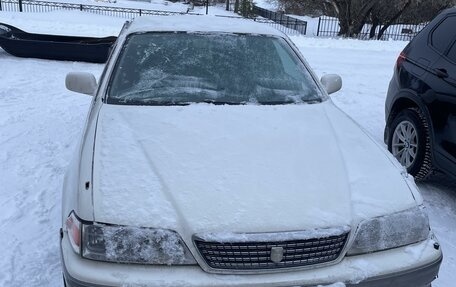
column 140, row 12
column 20, row 5
column 318, row 28
column 80, row 7
column 0, row 5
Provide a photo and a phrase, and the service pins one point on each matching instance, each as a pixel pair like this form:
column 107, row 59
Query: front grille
column 259, row 255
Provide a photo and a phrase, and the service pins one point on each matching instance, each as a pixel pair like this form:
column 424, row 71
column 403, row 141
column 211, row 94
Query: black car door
column 443, row 107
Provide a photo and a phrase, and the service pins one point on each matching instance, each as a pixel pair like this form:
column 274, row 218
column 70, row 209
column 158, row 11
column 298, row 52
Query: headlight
column 391, row 231
column 124, row 244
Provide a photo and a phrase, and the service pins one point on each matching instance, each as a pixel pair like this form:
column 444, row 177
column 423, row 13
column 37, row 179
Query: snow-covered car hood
column 249, row 168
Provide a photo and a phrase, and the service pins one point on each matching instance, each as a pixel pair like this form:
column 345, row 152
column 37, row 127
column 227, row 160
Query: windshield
column 185, row 68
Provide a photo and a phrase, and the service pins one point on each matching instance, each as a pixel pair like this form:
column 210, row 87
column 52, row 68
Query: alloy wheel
column 405, row 143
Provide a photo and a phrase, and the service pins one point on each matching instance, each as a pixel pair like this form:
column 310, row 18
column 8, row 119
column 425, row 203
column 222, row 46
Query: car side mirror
column 80, row 82
column 332, row 83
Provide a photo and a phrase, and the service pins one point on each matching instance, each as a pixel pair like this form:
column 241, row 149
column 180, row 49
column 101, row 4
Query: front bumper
column 411, row 266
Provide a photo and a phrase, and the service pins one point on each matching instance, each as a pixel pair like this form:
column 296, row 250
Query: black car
column 421, row 102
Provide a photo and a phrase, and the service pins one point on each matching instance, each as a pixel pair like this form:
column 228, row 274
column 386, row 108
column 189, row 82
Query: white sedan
column 212, row 156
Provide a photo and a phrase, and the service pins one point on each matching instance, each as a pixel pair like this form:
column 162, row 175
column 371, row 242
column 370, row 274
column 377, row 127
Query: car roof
column 200, row 23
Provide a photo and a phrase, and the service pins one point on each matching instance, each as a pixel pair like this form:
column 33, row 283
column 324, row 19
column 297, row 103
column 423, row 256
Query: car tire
column 409, row 141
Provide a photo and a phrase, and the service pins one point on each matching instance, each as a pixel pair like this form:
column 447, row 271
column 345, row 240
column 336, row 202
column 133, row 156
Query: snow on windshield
column 182, row 68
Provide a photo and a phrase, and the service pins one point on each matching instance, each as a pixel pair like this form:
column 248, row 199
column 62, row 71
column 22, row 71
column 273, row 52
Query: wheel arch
column 409, row 99
column 404, row 100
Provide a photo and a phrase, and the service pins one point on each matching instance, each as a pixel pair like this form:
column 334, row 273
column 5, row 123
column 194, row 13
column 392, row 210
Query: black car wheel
column 409, row 142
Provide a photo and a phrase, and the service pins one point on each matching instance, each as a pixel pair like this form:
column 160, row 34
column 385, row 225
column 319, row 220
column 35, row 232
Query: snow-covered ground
column 41, row 122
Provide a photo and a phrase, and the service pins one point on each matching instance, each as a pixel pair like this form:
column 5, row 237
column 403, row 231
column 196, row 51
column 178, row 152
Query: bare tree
column 387, row 13
column 381, row 14
column 384, row 14
column 352, row 14
column 314, row 8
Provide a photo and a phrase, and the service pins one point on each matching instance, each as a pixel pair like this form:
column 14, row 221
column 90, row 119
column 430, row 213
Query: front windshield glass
column 185, row 68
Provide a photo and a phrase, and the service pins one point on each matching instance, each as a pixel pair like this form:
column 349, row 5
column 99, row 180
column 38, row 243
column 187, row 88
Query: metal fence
column 285, row 23
column 43, row 6
column 279, row 21
column 329, row 27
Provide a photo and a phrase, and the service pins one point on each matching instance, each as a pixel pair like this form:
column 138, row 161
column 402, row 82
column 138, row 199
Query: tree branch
column 393, row 19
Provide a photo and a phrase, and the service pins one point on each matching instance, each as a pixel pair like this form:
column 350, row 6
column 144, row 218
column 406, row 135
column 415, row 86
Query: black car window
column 444, row 34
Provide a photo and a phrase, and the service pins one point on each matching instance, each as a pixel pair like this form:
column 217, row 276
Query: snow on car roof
column 200, row 23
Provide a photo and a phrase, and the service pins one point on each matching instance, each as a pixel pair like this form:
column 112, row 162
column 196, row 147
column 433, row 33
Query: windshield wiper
column 218, row 102
column 290, row 102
